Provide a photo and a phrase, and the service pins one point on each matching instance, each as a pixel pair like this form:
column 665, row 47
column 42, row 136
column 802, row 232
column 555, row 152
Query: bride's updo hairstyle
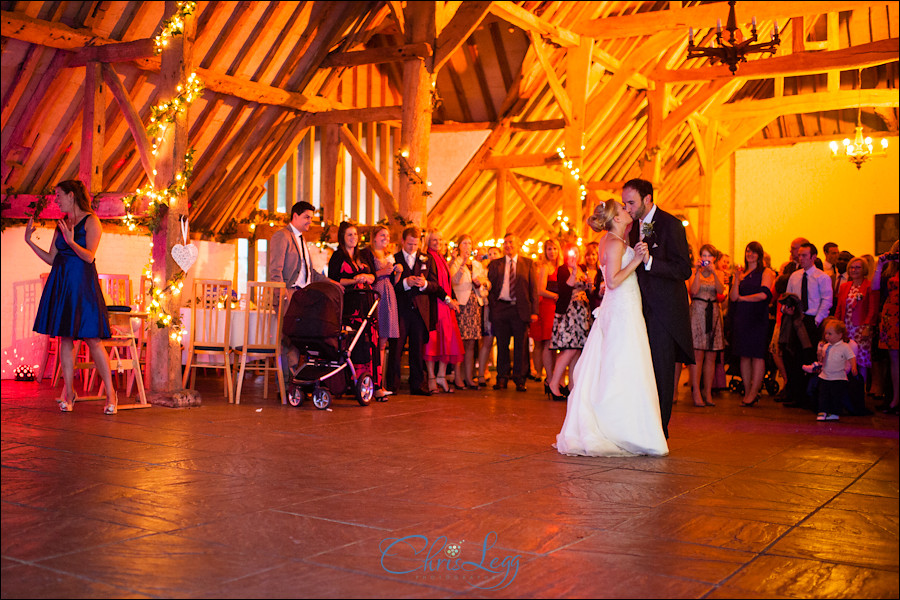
column 603, row 215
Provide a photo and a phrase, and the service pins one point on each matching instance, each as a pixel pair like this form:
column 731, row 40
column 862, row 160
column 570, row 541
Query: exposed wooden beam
column 377, row 56
column 521, row 160
column 541, row 219
column 556, row 86
column 389, row 204
column 523, row 19
column 805, row 103
column 546, row 175
column 357, row 115
column 706, row 15
column 132, row 119
column 804, row 63
column 468, row 17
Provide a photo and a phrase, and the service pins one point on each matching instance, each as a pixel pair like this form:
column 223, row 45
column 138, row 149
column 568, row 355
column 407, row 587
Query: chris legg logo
column 444, row 559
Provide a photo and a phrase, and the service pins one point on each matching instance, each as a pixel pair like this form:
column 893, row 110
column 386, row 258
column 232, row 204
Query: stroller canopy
column 315, row 311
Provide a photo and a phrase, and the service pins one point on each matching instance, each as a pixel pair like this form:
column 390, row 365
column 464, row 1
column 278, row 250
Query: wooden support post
column 578, row 65
column 656, row 102
column 354, row 177
column 93, row 129
column 329, row 185
column 290, row 193
column 500, row 205
column 272, row 192
column 415, row 132
column 370, row 190
column 164, row 352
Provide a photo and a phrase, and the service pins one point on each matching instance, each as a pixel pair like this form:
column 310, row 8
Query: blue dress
column 72, row 303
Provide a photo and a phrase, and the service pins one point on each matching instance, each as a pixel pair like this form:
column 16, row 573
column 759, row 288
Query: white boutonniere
column 647, row 229
column 423, row 257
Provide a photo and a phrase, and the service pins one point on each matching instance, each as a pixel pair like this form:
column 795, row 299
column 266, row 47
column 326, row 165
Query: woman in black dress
column 750, row 297
column 72, row 305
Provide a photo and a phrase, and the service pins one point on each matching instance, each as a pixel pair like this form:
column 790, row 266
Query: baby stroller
column 770, row 375
column 337, row 343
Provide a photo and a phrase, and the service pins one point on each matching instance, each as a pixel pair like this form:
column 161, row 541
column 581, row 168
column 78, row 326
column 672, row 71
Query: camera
column 892, row 256
column 704, row 263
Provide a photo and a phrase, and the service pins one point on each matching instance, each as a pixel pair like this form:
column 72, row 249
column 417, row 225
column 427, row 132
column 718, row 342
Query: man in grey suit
column 289, row 262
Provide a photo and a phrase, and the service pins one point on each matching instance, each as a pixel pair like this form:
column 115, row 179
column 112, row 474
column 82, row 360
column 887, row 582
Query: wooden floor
column 451, row 496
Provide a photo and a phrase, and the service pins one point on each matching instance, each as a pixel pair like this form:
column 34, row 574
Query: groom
column 666, row 267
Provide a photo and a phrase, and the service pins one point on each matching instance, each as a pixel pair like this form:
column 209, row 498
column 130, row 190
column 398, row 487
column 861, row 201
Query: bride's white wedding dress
column 613, row 409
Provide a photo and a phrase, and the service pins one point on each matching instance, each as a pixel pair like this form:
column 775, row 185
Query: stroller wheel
column 321, row 398
column 295, row 396
column 772, row 386
column 365, row 390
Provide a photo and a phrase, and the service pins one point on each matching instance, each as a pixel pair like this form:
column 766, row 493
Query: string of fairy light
column 162, row 116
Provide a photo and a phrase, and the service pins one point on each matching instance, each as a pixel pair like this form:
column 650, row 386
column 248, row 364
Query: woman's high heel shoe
column 65, row 406
column 752, row 402
column 442, row 383
column 110, row 409
column 547, row 391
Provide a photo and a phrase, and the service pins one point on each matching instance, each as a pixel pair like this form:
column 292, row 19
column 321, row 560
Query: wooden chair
column 122, row 346
column 262, row 334
column 210, row 329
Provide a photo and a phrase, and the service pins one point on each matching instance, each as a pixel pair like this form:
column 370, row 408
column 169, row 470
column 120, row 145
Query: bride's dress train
column 613, row 409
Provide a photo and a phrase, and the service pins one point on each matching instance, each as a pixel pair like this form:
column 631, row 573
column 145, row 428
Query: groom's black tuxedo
column 665, row 303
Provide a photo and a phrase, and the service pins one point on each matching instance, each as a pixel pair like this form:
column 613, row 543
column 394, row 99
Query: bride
column 613, row 409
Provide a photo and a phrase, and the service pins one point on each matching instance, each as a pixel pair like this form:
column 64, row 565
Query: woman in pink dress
column 445, row 344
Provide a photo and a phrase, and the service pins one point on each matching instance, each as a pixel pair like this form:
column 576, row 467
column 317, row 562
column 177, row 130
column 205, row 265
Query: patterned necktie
column 304, row 262
column 512, row 279
column 804, row 293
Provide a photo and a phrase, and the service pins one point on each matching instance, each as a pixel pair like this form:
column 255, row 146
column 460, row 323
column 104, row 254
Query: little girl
column 835, row 355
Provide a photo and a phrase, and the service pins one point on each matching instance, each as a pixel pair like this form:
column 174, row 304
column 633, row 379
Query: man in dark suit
column 289, row 262
column 513, row 301
column 418, row 292
column 667, row 266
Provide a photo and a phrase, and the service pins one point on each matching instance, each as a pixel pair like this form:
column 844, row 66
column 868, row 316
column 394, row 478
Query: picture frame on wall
column 887, row 230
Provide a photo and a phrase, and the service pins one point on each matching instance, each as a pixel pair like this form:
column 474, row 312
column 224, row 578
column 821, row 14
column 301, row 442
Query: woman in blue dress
column 72, row 305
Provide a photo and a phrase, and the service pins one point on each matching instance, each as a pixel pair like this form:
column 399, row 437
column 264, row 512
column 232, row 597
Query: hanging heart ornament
column 185, row 255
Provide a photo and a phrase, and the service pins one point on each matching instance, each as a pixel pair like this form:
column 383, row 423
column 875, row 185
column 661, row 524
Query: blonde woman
column 541, row 331
column 468, row 277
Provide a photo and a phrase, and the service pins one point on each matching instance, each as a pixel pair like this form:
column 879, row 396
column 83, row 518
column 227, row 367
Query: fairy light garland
column 410, row 172
column 574, row 172
column 174, row 25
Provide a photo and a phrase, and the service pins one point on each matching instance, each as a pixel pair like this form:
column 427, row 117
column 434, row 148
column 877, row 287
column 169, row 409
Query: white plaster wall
column 20, row 285
column 782, row 193
column 448, row 154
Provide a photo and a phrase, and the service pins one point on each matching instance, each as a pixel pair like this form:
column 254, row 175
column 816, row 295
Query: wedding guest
column 72, row 306
column 514, row 305
column 487, row 341
column 387, row 275
column 290, row 261
column 831, row 252
column 468, row 277
column 571, row 321
column 445, row 344
column 889, row 333
column 706, row 323
column 834, row 356
column 750, row 296
column 591, row 268
column 813, row 287
column 856, row 308
column 345, row 266
column 793, row 263
column 418, row 292
column 541, row 331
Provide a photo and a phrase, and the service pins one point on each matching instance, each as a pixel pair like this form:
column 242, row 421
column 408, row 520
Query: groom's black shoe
column 501, row 383
column 520, row 386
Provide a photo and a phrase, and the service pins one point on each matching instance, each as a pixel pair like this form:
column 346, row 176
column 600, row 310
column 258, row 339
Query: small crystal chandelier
column 861, row 149
column 732, row 52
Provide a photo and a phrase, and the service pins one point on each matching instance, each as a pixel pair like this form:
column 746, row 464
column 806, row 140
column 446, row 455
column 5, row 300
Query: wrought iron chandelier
column 732, row 51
